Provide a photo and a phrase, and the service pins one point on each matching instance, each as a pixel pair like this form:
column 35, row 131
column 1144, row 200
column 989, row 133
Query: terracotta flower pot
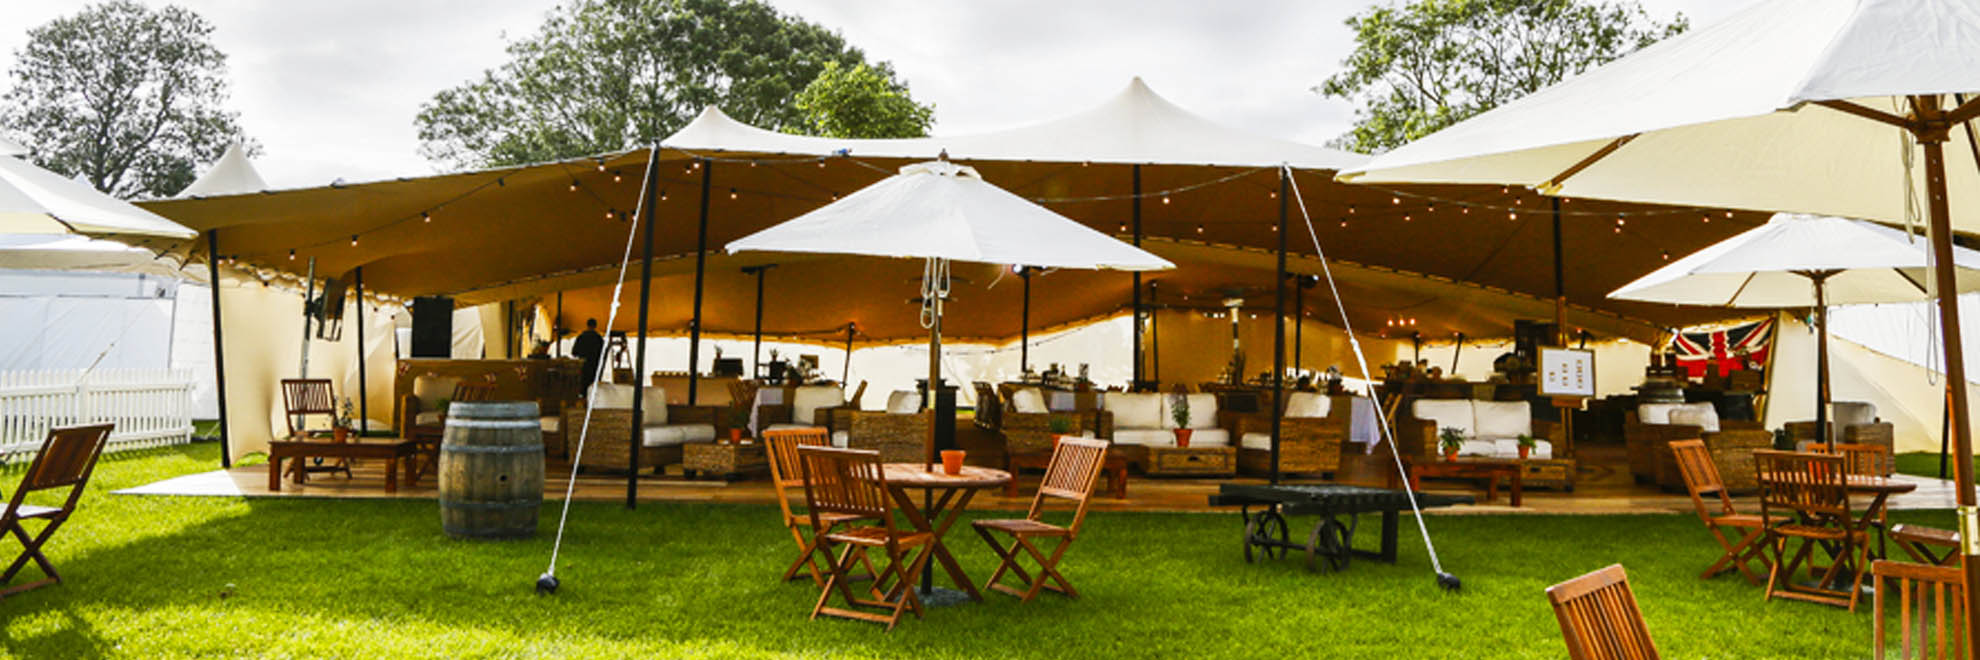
column 1524, row 451
column 1450, row 454
column 952, row 461
column 735, row 436
column 1182, row 437
column 340, row 433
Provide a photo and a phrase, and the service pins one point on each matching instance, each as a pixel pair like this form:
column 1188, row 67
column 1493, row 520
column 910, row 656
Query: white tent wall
column 1619, row 363
column 381, row 360
column 192, row 346
column 1907, row 395
column 263, row 329
column 1909, row 331
column 65, row 320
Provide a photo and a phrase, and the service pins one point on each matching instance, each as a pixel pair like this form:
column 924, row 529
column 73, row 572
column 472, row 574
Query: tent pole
column 1154, row 337
column 556, row 329
column 1299, row 320
column 1931, row 134
column 1560, row 284
column 756, row 350
column 1024, row 329
column 1456, row 350
column 1134, row 202
column 700, row 275
column 645, row 296
column 1279, row 323
column 1822, row 359
column 364, row 414
column 219, row 352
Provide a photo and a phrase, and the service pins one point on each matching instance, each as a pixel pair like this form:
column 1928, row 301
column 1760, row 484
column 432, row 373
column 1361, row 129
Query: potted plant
column 1060, row 426
column 340, row 424
column 1526, row 444
column 738, row 421
column 1450, row 439
column 1179, row 411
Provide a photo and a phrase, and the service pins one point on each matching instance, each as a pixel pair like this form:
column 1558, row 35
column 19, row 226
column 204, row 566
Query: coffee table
column 394, row 451
column 1468, row 467
column 1192, row 461
column 723, row 460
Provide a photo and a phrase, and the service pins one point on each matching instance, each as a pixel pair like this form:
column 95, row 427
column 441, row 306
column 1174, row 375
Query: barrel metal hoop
column 491, row 449
column 495, row 423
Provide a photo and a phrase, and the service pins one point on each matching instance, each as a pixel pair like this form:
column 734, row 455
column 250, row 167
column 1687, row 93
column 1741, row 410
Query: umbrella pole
column 846, row 370
column 1024, row 331
column 364, row 414
column 1822, row 359
column 1949, row 329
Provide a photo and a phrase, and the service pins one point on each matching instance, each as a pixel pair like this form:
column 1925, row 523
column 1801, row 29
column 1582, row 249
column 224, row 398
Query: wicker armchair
column 772, row 415
column 899, row 437
column 1858, row 421
column 1651, row 461
column 1308, row 443
column 606, row 444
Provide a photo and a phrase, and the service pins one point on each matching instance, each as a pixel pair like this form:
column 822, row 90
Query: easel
column 1567, row 405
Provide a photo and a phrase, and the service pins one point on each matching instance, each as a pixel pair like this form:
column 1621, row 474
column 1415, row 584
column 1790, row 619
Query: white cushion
column 841, row 439
column 1145, row 437
column 1849, row 413
column 1309, row 404
column 431, row 389
column 903, row 402
column 1701, row 415
column 611, row 396
column 551, row 423
column 1027, row 401
column 807, row 401
column 1253, row 440
column 1206, row 438
column 1139, row 410
column 1202, row 411
column 1447, row 413
column 1505, row 448
column 428, row 418
column 1501, row 420
column 1656, row 413
column 676, row 434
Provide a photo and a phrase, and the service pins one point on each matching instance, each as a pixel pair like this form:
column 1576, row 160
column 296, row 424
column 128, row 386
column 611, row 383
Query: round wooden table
column 944, row 497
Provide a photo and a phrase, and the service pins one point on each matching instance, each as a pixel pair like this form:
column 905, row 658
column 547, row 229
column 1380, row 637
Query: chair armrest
column 685, row 414
column 408, row 410
column 830, row 417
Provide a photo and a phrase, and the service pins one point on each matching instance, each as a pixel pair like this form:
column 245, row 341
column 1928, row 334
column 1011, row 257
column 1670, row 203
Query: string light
column 1667, row 255
column 425, row 217
column 1165, row 199
column 663, row 194
column 612, row 214
column 601, row 164
column 616, row 177
column 574, row 186
column 1729, row 215
column 1350, row 209
column 1272, row 194
column 1464, row 210
column 292, row 255
column 1512, row 215
column 353, row 240
column 1393, row 199
column 1123, row 228
column 1406, row 217
column 732, row 193
column 1433, row 208
column 1344, row 223
column 1199, row 229
column 1706, row 218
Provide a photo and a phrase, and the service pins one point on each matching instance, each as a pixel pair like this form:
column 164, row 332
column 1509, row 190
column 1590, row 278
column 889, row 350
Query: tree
column 861, row 102
column 1432, row 63
column 606, row 75
column 128, row 97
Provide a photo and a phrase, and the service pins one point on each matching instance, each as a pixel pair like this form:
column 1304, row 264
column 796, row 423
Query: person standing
column 590, row 347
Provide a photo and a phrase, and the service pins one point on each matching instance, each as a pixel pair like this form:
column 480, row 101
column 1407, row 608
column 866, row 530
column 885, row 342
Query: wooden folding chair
column 1075, row 468
column 850, row 482
column 302, row 397
column 1930, row 545
column 1860, row 459
column 1936, row 595
column 786, row 474
column 1701, row 479
column 66, row 460
column 1806, row 496
column 1599, row 618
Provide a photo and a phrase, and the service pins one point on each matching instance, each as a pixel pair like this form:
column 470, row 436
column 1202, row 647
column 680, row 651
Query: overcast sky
column 330, row 88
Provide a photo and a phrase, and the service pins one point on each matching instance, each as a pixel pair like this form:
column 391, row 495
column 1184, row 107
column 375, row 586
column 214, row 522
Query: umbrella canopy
column 37, row 201
column 69, row 252
column 1767, row 267
column 941, row 210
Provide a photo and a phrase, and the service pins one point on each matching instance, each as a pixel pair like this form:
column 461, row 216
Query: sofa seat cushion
column 1505, row 448
column 1502, row 420
column 1308, row 404
column 841, row 439
column 431, row 389
column 673, row 435
column 1701, row 415
column 1254, row 440
column 427, row 418
column 1139, row 411
column 1028, row 401
column 612, row 396
column 551, row 423
column 808, row 399
column 1144, row 437
column 1446, row 413
column 903, row 402
column 1206, row 438
column 788, row 427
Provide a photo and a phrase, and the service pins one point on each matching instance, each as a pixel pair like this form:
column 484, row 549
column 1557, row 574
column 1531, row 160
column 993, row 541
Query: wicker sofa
column 667, row 428
column 1026, row 424
column 1648, row 432
column 1140, row 420
column 1491, row 428
column 1310, row 435
column 809, row 406
column 899, row 433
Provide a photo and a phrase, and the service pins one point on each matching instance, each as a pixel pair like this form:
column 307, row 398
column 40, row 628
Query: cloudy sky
column 330, row 88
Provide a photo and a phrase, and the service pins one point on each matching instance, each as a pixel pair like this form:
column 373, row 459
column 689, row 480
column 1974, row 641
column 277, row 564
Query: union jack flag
column 1742, row 347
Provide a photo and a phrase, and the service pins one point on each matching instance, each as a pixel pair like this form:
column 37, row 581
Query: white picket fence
column 150, row 407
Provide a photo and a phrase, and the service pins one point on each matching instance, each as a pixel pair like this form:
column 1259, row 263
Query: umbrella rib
column 1866, row 113
column 1610, row 148
column 1907, row 278
column 1742, row 288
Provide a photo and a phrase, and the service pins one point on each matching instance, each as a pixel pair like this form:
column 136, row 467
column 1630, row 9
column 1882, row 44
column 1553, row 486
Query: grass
column 179, row 577
column 1924, row 464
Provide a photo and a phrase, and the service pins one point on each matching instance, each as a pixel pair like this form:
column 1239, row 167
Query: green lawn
column 1924, row 464
column 151, row 576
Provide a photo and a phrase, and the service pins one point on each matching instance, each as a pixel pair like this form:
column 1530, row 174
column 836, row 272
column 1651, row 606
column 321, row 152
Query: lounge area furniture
column 1143, row 420
column 664, row 431
column 1484, row 468
column 1931, row 611
column 301, row 398
column 1074, row 470
column 899, row 433
column 551, row 383
column 1648, row 433
column 1599, row 617
column 1805, row 497
column 1491, row 429
column 397, row 453
column 1191, row 461
column 807, row 405
column 722, row 460
column 66, row 461
column 850, row 483
column 1332, row 539
column 1312, row 432
column 1856, row 421
column 1701, row 480
column 423, row 416
column 1026, row 424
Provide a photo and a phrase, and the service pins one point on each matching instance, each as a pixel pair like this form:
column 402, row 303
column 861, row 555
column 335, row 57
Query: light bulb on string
column 353, row 240
column 1199, row 229
column 1706, row 219
column 732, row 193
column 425, row 216
column 1123, row 228
column 1512, row 215
column 1406, row 217
column 1464, row 210
column 1165, row 199
column 1729, row 215
column 574, row 186
column 292, row 255
column 616, row 177
column 1344, row 223
column 1432, row 208
column 663, row 194
column 601, row 164
column 1667, row 255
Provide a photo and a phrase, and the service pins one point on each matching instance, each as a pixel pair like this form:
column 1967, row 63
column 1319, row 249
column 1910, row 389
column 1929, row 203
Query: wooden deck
column 1604, row 488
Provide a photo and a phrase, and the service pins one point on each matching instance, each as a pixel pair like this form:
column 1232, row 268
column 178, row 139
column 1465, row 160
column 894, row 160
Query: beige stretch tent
column 1455, row 258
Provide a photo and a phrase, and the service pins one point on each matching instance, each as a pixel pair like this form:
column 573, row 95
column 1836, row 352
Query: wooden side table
column 1488, row 469
column 1192, row 461
column 723, row 460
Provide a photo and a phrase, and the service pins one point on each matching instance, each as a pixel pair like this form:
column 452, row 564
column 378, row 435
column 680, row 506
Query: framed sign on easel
column 1567, row 375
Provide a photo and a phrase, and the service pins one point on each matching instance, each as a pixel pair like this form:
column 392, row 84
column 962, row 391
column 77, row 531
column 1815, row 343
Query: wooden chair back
column 466, row 391
column 1599, row 618
column 1931, row 609
column 1859, row 459
column 1072, row 474
column 786, row 468
column 845, row 481
column 66, row 460
column 1814, row 485
column 302, row 397
column 1701, row 477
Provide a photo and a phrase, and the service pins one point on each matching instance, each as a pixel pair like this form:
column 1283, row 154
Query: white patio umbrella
column 37, row 201
column 941, row 212
column 1838, row 107
column 1798, row 260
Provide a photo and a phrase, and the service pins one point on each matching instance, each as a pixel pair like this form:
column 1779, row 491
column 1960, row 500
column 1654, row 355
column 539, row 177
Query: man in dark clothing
column 590, row 347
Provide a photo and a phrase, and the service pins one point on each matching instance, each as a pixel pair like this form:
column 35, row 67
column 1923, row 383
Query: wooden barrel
column 491, row 470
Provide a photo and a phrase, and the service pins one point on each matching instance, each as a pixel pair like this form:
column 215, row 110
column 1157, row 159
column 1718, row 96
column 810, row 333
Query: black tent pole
column 756, row 351
column 700, row 274
column 1024, row 331
column 1279, row 324
column 364, row 414
column 219, row 352
column 1134, row 202
column 645, row 296
column 1154, row 335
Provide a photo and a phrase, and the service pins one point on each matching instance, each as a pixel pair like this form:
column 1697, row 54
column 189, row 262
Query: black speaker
column 433, row 327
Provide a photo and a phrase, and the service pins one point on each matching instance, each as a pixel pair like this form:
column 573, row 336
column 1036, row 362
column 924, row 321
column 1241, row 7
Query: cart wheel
column 1260, row 531
column 1329, row 541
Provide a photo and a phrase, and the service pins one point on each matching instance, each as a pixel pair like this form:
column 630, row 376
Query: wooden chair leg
column 31, row 551
column 1006, row 560
column 1047, row 570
